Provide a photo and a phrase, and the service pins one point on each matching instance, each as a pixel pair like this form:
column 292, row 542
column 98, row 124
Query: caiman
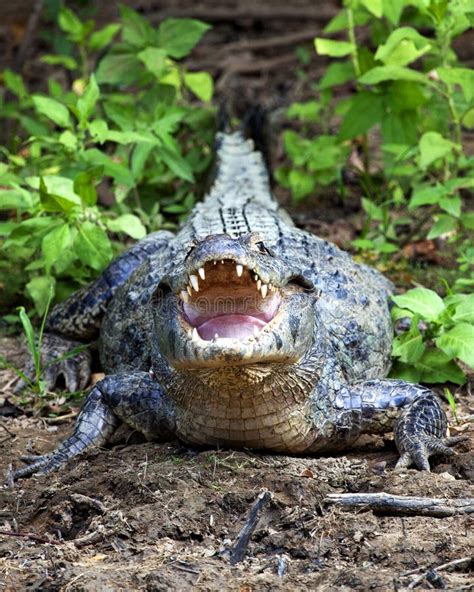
column 239, row 331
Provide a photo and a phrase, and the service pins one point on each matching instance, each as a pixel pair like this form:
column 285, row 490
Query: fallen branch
column 402, row 505
column 237, row 552
column 432, row 576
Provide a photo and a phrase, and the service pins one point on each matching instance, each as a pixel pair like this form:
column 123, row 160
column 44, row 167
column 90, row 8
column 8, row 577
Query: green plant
column 410, row 87
column 124, row 132
column 452, row 403
column 34, row 339
column 441, row 334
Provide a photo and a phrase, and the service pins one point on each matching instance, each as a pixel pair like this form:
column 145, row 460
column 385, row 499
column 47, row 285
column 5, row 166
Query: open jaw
column 227, row 300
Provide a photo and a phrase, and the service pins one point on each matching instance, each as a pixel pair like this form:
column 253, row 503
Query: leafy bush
column 413, row 90
column 441, row 332
column 123, row 132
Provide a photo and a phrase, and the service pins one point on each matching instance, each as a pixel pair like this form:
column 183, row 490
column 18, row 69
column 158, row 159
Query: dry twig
column 402, row 505
column 237, row 552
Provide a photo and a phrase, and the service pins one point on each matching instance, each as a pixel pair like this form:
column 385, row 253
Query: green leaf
column 432, row 146
column 337, row 73
column 452, row 205
column 60, row 60
column 459, row 343
column 101, row 38
column 201, row 84
column 426, row 195
column 464, row 312
column 71, row 24
column 84, row 185
column 87, row 102
column 365, row 111
column 301, row 183
column 136, row 31
column 179, row 36
column 409, row 346
column 405, row 372
column 421, row 301
column 53, row 110
column 173, row 159
column 403, row 46
column 383, row 73
column 438, row 367
column 373, row 211
column 444, row 224
column 54, row 243
column 373, row 6
column 39, row 288
column 68, row 139
column 14, row 83
column 393, row 9
column 129, row 224
column 53, row 202
column 120, row 68
column 335, row 49
column 92, row 246
column 154, row 59
column 307, row 111
column 464, row 77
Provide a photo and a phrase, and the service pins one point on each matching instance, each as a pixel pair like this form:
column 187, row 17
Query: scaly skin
column 312, row 379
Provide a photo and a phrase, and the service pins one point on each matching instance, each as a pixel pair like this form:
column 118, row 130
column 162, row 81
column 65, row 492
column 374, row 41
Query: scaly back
column 240, row 200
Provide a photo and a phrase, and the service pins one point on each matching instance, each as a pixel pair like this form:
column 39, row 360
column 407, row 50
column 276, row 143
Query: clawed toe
column 421, row 449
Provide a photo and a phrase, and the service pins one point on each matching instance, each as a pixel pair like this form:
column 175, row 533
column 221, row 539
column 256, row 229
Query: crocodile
column 239, row 331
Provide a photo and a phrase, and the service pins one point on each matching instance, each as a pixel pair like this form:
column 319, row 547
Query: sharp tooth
column 216, row 336
column 270, row 287
column 259, row 284
column 222, row 261
column 184, row 296
column 190, row 292
column 190, row 333
column 201, row 273
column 264, row 290
column 240, row 270
column 195, row 334
column 255, row 277
column 215, row 262
column 195, row 282
column 255, row 331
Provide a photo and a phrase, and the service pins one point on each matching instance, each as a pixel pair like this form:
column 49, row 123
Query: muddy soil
column 151, row 516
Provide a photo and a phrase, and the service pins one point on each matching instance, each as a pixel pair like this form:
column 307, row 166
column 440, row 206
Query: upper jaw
column 196, row 277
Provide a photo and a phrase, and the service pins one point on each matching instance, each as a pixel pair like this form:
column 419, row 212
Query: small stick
column 404, row 505
column 237, row 552
column 432, row 571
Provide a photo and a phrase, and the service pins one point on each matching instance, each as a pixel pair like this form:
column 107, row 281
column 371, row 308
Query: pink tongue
column 236, row 326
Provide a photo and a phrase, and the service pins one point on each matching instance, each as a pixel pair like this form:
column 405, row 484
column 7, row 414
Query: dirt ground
column 158, row 517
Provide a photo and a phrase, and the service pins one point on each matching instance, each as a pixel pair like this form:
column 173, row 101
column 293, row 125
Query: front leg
column 134, row 398
column 413, row 411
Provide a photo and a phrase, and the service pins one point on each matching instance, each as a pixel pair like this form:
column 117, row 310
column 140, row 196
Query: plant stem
column 353, row 41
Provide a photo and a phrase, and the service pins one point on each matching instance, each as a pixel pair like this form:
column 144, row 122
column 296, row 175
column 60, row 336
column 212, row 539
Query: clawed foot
column 54, row 361
column 418, row 449
column 38, row 465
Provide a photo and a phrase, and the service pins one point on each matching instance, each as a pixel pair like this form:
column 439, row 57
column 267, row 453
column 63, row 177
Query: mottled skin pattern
column 312, row 380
